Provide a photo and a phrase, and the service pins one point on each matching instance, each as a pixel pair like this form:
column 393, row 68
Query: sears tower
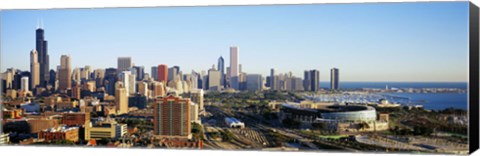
column 43, row 58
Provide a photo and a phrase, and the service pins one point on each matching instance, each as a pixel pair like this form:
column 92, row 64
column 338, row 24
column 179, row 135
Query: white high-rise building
column 24, row 84
column 124, row 63
column 132, row 84
column 234, row 68
column 125, row 79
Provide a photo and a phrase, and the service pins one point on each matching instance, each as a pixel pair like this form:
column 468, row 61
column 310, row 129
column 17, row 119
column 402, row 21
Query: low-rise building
column 59, row 133
column 75, row 119
column 105, row 129
column 4, row 138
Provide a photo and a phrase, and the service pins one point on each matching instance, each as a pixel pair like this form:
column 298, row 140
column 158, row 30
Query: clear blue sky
column 367, row 42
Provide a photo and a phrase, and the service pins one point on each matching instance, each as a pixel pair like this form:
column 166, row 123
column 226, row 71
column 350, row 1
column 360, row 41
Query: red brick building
column 59, row 133
column 75, row 119
column 162, row 73
column 171, row 117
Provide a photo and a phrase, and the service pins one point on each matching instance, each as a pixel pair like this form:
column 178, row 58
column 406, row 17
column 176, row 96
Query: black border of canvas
column 474, row 78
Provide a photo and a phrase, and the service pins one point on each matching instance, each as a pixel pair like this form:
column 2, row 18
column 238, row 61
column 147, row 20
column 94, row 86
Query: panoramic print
column 370, row 77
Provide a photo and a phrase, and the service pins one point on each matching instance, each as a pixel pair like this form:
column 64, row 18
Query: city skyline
column 360, row 67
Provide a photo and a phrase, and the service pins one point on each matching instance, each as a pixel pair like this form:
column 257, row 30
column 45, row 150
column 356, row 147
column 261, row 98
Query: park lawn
column 332, row 136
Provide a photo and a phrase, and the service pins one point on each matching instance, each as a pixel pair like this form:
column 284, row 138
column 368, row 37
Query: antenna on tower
column 41, row 23
column 38, row 23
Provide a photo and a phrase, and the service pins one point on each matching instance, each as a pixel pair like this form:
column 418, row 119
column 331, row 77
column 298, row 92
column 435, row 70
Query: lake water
column 437, row 101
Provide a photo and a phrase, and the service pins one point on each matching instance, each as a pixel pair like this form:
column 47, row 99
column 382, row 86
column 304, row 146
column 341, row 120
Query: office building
column 59, row 133
column 53, row 80
column 334, row 78
column 76, row 118
column 143, row 88
column 4, row 138
column 138, row 101
column 65, row 73
column 214, row 79
column 242, row 81
column 132, row 84
column 273, row 80
column 24, row 84
column 197, row 97
column 43, row 58
column 110, row 80
column 140, row 72
column 154, row 72
column 76, row 91
column 128, row 81
column 254, row 82
column 194, row 110
column 158, row 89
column 34, row 69
column 76, row 76
column 121, row 98
column 172, row 117
column 234, row 73
column 172, row 73
column 221, row 68
column 107, row 129
column 312, row 80
column 124, row 63
column 162, row 73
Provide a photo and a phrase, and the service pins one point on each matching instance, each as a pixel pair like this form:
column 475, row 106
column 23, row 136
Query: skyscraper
column 162, row 73
column 24, row 84
column 140, row 72
column 43, row 57
column 34, row 69
column 254, row 82
column 76, row 91
column 197, row 97
column 121, row 98
column 214, row 79
column 314, row 80
column 177, row 68
column 334, row 78
column 125, row 77
column 172, row 73
column 273, row 80
column 221, row 68
column 234, row 68
column 64, row 73
column 124, row 64
column 171, row 117
column 53, row 79
column 143, row 88
column 110, row 80
column 154, row 72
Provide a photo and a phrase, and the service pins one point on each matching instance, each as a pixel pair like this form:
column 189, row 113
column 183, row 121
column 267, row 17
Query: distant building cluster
column 59, row 103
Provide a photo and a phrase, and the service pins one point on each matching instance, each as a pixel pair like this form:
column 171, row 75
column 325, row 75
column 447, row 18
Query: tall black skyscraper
column 110, row 80
column 314, row 80
column 221, row 68
column 43, row 58
column 334, row 79
column 140, row 72
column 52, row 77
column 311, row 80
